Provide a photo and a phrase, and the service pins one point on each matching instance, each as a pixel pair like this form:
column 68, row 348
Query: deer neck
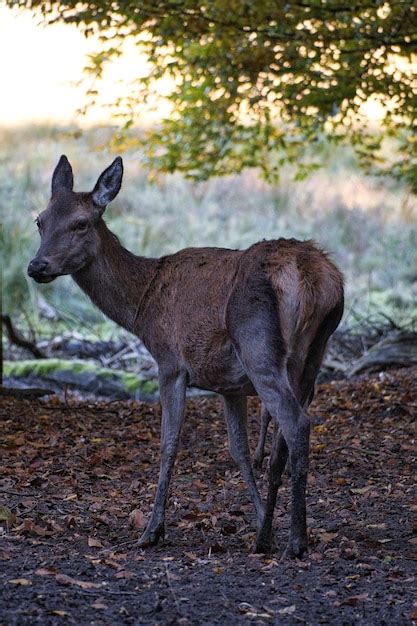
column 117, row 280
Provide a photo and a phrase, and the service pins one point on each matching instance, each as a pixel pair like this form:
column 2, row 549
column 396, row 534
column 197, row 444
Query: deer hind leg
column 302, row 384
column 291, row 440
column 172, row 391
column 265, row 419
column 263, row 354
column 278, row 465
column 303, row 379
column 235, row 411
column 259, row 455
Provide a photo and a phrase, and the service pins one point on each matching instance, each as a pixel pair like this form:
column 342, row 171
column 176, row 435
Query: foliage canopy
column 257, row 83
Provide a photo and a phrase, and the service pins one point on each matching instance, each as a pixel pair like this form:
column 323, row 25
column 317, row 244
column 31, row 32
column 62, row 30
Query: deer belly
column 220, row 371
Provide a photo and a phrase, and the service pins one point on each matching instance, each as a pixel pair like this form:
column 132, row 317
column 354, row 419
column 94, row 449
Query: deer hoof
column 151, row 537
column 263, row 544
column 295, row 549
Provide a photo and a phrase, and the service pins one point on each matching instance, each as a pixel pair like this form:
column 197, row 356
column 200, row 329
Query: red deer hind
column 239, row 323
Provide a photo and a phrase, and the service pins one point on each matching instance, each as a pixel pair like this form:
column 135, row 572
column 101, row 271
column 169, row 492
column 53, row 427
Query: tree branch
column 16, row 338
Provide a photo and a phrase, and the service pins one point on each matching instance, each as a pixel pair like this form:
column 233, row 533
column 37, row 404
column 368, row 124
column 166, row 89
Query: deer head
column 69, row 225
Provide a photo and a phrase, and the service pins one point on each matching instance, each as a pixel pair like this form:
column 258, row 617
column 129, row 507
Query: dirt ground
column 77, row 485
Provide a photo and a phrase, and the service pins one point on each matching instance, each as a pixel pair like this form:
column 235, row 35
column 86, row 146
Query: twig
column 66, row 395
column 118, row 545
column 335, row 364
column 394, row 325
column 107, row 361
column 16, row 338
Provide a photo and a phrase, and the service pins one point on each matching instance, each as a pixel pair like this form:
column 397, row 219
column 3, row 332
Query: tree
column 263, row 83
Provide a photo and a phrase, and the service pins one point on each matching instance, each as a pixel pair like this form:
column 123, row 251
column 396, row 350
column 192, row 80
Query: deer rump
column 205, row 302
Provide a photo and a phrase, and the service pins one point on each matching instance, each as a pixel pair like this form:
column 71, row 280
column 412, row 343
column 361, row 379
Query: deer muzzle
column 39, row 270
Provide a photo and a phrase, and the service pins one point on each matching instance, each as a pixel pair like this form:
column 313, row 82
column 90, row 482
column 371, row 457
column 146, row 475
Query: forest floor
column 78, row 482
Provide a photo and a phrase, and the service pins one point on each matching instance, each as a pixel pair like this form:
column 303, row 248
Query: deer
column 239, row 323
column 265, row 419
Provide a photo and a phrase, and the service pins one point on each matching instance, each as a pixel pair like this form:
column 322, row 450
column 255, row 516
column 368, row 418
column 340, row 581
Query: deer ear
column 62, row 177
column 108, row 185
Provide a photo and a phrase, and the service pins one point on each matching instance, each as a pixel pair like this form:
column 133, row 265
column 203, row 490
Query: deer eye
column 81, row 226
column 38, row 224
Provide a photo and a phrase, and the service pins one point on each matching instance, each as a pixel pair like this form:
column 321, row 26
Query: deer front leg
column 235, row 411
column 172, row 392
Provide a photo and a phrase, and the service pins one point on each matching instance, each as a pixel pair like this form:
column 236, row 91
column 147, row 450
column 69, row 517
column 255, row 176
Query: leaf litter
column 78, row 483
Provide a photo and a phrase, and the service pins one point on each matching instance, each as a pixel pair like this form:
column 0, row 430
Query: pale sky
column 40, row 64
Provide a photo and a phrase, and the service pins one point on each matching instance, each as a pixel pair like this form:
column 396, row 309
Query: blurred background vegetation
column 236, row 122
column 368, row 224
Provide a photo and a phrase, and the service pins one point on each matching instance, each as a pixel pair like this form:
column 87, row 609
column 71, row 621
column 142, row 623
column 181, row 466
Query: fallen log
column 398, row 348
column 25, row 393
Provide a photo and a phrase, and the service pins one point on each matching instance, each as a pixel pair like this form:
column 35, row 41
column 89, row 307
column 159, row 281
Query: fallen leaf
column 29, row 526
column 5, row 555
column 59, row 613
column 383, row 525
column 94, row 543
column 362, row 490
column 20, row 581
column 137, row 519
column 56, row 527
column 46, row 571
column 118, row 556
column 113, row 563
column 354, row 600
column 327, row 537
column 340, row 481
column 6, row 515
column 63, row 579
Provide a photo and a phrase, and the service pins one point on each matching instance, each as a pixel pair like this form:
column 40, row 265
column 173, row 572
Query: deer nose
column 37, row 267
